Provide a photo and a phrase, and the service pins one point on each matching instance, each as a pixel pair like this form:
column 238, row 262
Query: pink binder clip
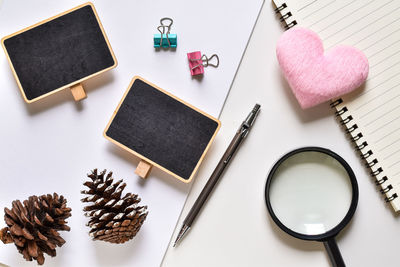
column 197, row 62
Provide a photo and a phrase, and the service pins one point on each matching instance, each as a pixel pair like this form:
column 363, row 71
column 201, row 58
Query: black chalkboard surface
column 59, row 52
column 161, row 129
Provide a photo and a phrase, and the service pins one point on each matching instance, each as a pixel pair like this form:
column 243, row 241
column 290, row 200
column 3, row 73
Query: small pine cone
column 113, row 218
column 33, row 226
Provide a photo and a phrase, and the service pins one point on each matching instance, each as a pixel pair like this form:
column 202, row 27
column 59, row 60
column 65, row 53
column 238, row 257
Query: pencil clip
column 198, row 62
column 165, row 38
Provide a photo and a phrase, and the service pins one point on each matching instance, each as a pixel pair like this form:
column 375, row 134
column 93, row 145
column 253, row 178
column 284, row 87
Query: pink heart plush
column 315, row 76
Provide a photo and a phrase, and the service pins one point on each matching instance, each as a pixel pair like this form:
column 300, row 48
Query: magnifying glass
column 312, row 194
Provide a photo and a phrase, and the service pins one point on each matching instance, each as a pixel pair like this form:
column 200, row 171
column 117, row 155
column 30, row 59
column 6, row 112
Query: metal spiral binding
column 361, row 146
column 336, row 103
column 366, row 154
column 346, row 120
column 371, row 163
column 352, row 128
column 290, row 25
column 284, row 17
column 341, row 111
column 386, row 189
column 354, row 137
column 381, row 181
column 376, row 172
column 279, row 9
column 391, row 198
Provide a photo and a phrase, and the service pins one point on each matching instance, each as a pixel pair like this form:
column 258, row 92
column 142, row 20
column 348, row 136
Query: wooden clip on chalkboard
column 162, row 130
column 58, row 53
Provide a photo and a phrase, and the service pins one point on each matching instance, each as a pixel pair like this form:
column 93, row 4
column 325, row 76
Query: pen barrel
column 226, row 158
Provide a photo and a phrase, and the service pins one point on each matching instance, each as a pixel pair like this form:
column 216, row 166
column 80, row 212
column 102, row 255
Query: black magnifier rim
column 334, row 231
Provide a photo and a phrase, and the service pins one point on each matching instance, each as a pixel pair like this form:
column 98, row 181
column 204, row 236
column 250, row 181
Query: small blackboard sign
column 161, row 129
column 59, row 53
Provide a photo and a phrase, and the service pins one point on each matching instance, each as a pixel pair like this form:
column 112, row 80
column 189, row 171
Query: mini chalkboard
column 59, row 53
column 162, row 130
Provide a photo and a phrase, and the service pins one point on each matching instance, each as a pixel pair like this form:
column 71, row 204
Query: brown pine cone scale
column 113, row 218
column 34, row 224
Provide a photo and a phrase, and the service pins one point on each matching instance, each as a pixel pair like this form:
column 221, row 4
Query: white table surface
column 234, row 228
column 50, row 145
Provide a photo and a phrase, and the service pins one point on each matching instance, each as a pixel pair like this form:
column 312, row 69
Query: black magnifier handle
column 334, row 253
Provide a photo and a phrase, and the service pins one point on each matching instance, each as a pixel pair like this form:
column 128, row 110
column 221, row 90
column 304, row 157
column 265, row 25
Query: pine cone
column 34, row 226
column 112, row 218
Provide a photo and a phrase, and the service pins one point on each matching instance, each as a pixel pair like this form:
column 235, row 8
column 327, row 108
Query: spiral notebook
column 372, row 114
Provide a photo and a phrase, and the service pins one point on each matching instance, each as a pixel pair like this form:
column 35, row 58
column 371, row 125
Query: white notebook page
column 373, row 26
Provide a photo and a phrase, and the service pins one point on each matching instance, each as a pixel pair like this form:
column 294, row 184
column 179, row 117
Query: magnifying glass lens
column 310, row 193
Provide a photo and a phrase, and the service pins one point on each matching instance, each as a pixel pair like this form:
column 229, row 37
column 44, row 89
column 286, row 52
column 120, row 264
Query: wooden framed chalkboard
column 59, row 53
column 162, row 130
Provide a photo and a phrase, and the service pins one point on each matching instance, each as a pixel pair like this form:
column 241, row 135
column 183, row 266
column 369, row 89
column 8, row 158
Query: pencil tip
column 181, row 234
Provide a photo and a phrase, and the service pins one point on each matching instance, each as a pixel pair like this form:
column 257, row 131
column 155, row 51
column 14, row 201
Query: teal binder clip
column 165, row 38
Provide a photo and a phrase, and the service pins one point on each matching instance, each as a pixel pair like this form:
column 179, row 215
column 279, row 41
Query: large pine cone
column 112, row 218
column 34, row 226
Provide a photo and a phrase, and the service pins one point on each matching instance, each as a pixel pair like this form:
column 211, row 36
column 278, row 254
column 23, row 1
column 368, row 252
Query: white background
column 234, row 228
column 50, row 145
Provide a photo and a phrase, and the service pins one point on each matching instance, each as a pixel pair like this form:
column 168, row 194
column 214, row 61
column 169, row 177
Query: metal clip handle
column 205, row 61
column 162, row 29
column 167, row 26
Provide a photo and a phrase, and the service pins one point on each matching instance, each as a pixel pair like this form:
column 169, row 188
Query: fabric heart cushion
column 315, row 76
